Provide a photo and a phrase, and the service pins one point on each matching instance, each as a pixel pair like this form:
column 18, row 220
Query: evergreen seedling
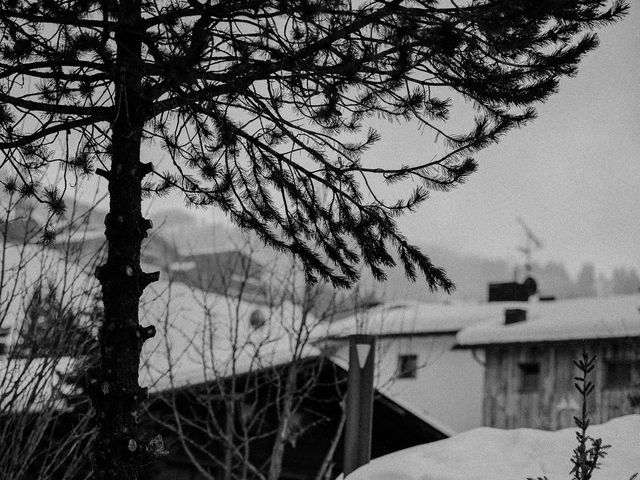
column 589, row 452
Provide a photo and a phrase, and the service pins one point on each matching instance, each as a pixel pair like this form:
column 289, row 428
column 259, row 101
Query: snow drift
column 494, row 454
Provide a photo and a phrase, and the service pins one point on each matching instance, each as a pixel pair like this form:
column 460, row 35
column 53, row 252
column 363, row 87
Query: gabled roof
column 417, row 318
column 561, row 320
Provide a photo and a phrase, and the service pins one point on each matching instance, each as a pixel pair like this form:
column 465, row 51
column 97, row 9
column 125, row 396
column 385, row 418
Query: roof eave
column 469, row 346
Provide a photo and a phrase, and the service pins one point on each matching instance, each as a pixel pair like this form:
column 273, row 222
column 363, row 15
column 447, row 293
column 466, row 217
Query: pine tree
column 586, row 281
column 260, row 108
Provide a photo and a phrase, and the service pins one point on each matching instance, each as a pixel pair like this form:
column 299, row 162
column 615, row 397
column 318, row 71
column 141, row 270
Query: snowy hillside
column 494, row 454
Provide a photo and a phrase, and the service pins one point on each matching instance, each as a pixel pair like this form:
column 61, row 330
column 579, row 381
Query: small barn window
column 529, row 377
column 407, row 366
column 618, row 373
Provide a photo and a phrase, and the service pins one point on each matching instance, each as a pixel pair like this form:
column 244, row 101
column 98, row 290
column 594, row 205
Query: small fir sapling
column 590, row 451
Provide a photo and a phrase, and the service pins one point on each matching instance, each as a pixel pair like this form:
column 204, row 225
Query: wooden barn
column 529, row 354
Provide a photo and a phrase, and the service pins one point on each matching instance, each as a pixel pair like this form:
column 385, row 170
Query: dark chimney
column 512, row 291
column 507, row 292
column 514, row 315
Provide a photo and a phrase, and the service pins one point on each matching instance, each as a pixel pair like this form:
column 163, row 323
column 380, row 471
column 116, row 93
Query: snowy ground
column 494, row 454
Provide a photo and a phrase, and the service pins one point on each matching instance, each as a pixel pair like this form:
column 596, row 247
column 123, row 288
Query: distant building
column 529, row 355
column 156, row 251
column 224, row 271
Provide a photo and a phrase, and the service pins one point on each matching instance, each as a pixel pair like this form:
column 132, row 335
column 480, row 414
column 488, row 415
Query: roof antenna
column 532, row 243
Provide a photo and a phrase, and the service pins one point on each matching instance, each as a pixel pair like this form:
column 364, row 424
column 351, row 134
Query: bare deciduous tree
column 48, row 308
column 251, row 345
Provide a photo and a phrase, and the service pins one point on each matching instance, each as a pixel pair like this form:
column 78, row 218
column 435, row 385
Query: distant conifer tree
column 260, row 107
column 52, row 329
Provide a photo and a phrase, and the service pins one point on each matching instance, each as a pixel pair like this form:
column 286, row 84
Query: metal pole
column 359, row 404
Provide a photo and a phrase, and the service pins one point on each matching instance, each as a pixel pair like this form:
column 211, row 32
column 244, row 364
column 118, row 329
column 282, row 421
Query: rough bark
column 119, row 452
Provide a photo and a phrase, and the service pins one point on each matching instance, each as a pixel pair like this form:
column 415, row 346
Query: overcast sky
column 573, row 175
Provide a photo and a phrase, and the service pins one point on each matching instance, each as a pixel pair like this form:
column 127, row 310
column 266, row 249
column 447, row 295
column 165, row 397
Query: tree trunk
column 119, row 452
column 227, row 474
column 328, row 463
column 284, row 427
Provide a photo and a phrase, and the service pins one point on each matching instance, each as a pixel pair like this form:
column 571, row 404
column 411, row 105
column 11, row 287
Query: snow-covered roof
column 414, row 318
column 202, row 336
column 560, row 320
column 188, row 251
column 182, row 266
column 494, row 454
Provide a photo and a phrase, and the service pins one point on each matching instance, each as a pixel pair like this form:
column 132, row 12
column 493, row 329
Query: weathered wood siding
column 554, row 404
